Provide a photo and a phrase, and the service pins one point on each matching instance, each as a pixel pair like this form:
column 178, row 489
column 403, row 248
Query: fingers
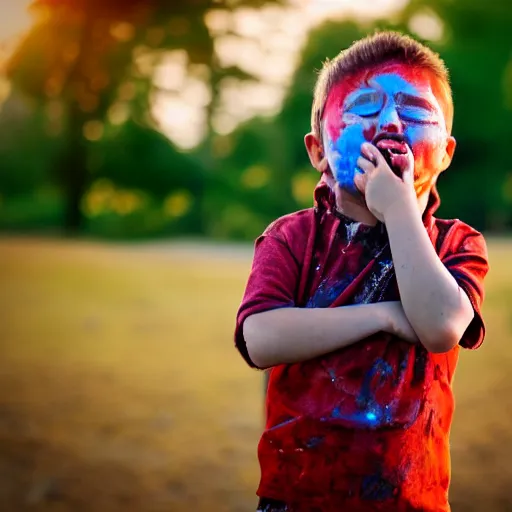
column 371, row 153
column 365, row 165
column 408, row 174
column 360, row 180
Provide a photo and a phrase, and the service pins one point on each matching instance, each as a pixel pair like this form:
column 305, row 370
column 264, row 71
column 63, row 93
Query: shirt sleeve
column 272, row 284
column 467, row 261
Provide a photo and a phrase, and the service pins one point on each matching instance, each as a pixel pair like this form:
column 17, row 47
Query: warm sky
column 271, row 44
column 13, row 18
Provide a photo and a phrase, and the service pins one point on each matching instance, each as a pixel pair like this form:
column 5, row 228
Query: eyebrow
column 414, row 101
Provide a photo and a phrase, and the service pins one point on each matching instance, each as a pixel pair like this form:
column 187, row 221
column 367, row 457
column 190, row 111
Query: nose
column 389, row 120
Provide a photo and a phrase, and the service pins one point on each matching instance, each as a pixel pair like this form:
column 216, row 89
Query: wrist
column 384, row 315
column 406, row 206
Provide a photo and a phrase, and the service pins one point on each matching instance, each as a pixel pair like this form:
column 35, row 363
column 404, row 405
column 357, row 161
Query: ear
column 315, row 152
column 451, row 143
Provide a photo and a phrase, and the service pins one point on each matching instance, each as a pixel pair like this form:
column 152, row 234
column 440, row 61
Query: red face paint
column 408, row 106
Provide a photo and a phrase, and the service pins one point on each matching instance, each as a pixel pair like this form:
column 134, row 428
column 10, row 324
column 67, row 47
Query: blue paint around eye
column 392, row 84
column 414, row 114
column 366, row 110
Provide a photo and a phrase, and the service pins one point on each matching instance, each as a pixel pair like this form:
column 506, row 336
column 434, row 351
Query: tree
column 477, row 49
column 81, row 52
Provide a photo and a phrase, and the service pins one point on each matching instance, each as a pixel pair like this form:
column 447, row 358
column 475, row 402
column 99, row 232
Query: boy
column 360, row 304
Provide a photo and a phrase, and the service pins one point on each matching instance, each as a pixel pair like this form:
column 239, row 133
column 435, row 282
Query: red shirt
column 365, row 427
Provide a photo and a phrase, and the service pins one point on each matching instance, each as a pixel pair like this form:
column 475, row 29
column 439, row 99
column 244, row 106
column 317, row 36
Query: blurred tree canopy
column 88, row 67
column 93, row 61
column 477, row 48
column 474, row 41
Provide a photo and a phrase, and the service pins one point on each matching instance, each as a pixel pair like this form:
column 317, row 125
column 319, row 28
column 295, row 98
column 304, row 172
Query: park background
column 144, row 144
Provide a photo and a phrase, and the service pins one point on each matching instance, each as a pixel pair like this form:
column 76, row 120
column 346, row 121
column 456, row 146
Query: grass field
column 121, row 389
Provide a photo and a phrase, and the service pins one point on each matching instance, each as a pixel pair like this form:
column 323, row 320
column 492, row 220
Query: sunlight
column 427, row 25
column 15, row 19
column 14, row 22
column 170, row 73
column 319, row 10
column 240, row 98
column 264, row 43
column 182, row 122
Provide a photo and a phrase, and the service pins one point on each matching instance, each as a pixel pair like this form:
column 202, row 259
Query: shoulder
column 292, row 226
column 291, row 233
column 454, row 235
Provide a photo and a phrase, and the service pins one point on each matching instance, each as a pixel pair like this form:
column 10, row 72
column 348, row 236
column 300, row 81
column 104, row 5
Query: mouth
column 392, row 143
column 394, row 149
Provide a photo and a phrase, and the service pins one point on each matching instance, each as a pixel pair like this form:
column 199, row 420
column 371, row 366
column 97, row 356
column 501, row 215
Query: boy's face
column 392, row 107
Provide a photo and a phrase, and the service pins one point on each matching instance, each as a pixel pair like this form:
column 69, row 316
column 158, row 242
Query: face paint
column 390, row 106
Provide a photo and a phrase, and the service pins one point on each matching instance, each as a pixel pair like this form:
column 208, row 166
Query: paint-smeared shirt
column 365, row 427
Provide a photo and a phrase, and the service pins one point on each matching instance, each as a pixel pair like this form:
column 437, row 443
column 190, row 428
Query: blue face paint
column 387, row 103
column 343, row 154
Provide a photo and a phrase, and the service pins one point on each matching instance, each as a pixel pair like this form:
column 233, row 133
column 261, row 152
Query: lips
column 393, row 146
column 394, row 149
column 391, row 142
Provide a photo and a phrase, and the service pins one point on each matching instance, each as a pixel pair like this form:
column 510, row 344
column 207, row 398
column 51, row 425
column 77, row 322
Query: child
column 360, row 304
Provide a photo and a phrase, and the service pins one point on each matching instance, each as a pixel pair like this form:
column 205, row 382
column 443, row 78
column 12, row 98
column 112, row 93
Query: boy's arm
column 437, row 307
column 271, row 329
column 291, row 335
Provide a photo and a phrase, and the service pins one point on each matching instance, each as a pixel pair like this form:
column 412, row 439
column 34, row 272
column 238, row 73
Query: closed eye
column 417, row 115
column 415, row 109
column 366, row 105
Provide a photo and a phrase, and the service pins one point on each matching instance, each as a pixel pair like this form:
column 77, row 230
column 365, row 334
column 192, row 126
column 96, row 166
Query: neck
column 354, row 207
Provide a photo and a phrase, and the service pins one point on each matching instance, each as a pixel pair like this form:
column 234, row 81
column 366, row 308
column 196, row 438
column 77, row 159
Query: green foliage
column 131, row 181
column 477, row 49
column 81, row 53
column 324, row 43
column 26, row 150
column 135, row 156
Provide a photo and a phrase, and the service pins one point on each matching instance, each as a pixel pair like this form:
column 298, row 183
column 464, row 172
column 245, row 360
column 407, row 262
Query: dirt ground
column 121, row 389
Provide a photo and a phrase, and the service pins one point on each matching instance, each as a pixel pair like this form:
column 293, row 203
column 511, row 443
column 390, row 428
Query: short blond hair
column 374, row 50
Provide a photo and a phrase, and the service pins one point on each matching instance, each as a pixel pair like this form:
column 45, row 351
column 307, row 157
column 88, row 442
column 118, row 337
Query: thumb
column 408, row 174
column 360, row 179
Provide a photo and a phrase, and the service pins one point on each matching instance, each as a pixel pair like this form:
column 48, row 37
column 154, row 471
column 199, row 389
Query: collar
column 325, row 201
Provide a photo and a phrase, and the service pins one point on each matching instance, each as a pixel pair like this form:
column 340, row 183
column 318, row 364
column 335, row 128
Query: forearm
column 291, row 335
column 435, row 305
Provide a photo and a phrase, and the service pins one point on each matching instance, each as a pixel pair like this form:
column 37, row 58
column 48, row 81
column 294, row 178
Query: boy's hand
column 397, row 322
column 382, row 189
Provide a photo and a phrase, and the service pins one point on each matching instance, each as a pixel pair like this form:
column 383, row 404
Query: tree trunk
column 73, row 172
